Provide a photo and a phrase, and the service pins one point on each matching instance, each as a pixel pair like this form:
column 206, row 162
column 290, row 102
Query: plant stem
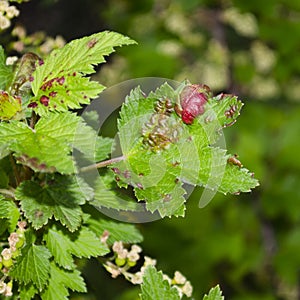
column 9, row 193
column 102, row 164
column 15, row 170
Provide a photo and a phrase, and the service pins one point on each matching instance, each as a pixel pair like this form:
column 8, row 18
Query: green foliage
column 42, row 184
column 214, row 294
column 158, row 172
column 59, row 197
column 5, row 71
column 126, row 233
column 154, row 287
column 33, row 266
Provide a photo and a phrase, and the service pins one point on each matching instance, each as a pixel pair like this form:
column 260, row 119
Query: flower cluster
column 182, row 285
column 37, row 42
column 123, row 259
column 7, row 12
column 16, row 241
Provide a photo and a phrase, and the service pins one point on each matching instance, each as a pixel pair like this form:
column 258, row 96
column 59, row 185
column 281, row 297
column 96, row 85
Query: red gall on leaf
column 44, row 100
column 192, row 101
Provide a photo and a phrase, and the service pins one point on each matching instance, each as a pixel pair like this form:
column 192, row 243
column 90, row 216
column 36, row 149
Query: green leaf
column 32, row 266
column 9, row 211
column 6, row 72
column 117, row 231
column 9, row 106
column 109, row 195
column 83, row 243
column 67, row 92
column 59, row 283
column 135, row 112
column 27, row 292
column 59, row 197
column 237, row 180
column 47, row 147
column 91, row 146
column 60, row 77
column 58, row 244
column 161, row 152
column 4, row 212
column 155, row 288
column 87, row 244
column 214, row 294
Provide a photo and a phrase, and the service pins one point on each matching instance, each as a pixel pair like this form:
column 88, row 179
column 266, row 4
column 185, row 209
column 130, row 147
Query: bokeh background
column 249, row 244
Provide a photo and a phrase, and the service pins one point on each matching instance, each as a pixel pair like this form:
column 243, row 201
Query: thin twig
column 102, row 164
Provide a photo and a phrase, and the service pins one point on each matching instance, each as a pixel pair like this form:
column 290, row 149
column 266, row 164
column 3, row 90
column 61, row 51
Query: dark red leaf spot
column 61, row 80
column 44, row 100
column 53, row 94
column 32, row 105
column 116, row 170
column 139, row 185
column 127, row 174
column 31, row 78
column 41, row 62
column 92, row 43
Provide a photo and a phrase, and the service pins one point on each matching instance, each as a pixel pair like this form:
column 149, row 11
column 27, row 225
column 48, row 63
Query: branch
column 102, row 164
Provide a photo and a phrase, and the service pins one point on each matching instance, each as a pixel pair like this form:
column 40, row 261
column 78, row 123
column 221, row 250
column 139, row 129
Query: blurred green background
column 249, row 244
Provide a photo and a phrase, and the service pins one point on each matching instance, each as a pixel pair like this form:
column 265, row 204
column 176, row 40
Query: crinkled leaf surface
column 60, row 78
column 32, row 266
column 63, row 245
column 58, row 196
column 47, row 147
column 156, row 173
column 60, row 281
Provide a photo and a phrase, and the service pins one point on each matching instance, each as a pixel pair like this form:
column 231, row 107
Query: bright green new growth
column 214, row 294
column 158, row 173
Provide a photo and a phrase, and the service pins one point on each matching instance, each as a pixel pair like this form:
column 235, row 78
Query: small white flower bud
column 137, row 278
column 179, row 278
column 133, row 256
column 4, row 22
column 2, row 287
column 8, row 291
column 136, row 248
column 11, row 60
column 6, row 253
column 123, row 254
column 187, row 289
column 3, row 5
column 13, row 239
column 117, row 247
column 12, row 11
